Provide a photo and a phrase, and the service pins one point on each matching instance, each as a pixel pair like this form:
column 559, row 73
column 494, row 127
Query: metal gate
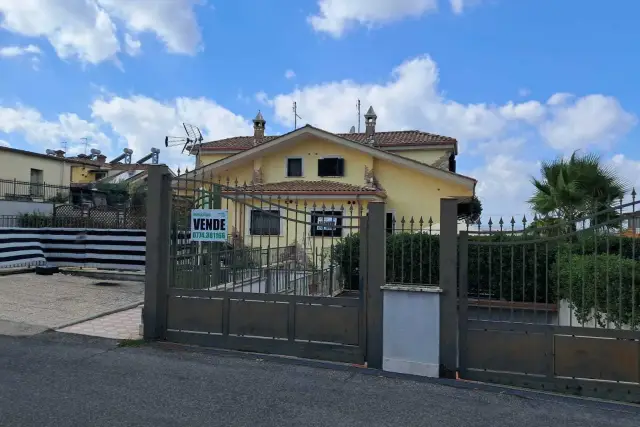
column 553, row 306
column 287, row 280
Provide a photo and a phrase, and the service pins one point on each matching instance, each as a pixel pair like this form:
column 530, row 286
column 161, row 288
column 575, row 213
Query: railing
column 14, row 190
column 78, row 218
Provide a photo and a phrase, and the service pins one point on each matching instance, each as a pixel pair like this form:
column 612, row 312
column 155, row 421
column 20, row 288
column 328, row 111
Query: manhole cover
column 105, row 283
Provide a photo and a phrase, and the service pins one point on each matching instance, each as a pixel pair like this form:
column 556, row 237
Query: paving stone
column 121, row 325
column 53, row 301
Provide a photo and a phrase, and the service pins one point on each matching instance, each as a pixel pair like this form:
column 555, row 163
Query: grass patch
column 131, row 343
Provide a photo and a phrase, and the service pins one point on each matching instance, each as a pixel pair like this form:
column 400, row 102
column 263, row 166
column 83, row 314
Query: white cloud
column 4, row 143
column 87, row 29
column 43, row 133
column 559, row 98
column 591, row 121
column 136, row 122
column 524, row 92
column 289, row 74
column 629, row 170
column 13, row 51
column 530, row 111
column 172, row 21
column 504, row 187
column 133, row 45
column 263, row 98
column 411, row 99
column 458, row 6
column 336, row 16
column 143, row 123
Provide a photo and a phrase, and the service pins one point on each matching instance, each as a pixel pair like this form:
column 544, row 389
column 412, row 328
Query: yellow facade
column 428, row 157
column 16, row 164
column 294, row 218
column 410, row 193
column 208, row 158
column 83, row 174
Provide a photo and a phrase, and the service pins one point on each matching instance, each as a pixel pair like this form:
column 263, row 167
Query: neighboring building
column 52, row 169
column 25, row 175
column 311, row 168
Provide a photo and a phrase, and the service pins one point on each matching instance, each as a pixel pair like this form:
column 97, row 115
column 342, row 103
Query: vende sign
column 209, row 225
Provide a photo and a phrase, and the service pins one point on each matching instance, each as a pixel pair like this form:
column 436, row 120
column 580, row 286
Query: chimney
column 59, row 153
column 101, row 158
column 259, row 124
column 370, row 119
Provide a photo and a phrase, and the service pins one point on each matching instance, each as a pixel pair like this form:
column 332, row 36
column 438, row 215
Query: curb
column 532, row 394
column 103, row 274
column 105, row 313
column 12, row 271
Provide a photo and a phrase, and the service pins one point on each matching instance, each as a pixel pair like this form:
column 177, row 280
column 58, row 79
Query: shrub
column 34, row 220
column 414, row 258
column 604, row 287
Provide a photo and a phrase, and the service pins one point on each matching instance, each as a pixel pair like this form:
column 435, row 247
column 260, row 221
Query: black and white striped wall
column 72, row 247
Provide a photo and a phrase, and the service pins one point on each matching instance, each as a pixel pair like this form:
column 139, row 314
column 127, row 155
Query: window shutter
column 340, row 167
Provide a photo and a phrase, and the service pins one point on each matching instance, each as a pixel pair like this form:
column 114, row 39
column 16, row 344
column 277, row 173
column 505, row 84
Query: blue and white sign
column 209, row 225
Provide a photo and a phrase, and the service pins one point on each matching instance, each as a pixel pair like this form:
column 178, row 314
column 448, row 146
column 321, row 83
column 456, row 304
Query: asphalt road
column 55, row 379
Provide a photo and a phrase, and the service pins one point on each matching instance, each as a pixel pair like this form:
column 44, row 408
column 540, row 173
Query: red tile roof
column 382, row 139
column 312, row 187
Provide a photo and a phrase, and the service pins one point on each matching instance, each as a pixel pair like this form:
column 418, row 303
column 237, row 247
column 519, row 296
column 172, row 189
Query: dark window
column 294, row 167
column 452, row 163
column 265, row 223
column 326, row 223
column 100, row 175
column 389, row 222
column 332, row 166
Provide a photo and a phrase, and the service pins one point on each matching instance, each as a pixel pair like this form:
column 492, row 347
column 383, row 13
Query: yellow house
column 280, row 189
column 53, row 169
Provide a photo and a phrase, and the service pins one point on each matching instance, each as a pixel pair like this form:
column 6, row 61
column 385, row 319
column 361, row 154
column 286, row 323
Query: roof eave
column 458, row 178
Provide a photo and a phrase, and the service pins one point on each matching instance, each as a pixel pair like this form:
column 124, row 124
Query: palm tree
column 572, row 188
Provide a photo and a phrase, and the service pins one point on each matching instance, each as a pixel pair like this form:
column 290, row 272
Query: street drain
column 105, row 283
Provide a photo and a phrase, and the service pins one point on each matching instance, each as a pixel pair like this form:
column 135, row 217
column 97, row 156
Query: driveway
column 55, row 379
column 30, row 303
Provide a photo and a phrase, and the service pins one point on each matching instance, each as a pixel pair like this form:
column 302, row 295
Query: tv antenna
column 85, row 141
column 358, row 108
column 194, row 137
column 295, row 115
column 64, row 145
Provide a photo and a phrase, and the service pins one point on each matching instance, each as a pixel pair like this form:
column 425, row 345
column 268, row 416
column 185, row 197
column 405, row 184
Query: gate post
column 157, row 252
column 376, row 262
column 449, row 286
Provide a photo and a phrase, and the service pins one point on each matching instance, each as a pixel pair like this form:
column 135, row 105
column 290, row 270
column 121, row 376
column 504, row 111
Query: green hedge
column 600, row 287
column 514, row 268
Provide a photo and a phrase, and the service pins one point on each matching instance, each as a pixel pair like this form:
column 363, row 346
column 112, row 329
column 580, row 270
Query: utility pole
column 85, row 141
column 295, row 115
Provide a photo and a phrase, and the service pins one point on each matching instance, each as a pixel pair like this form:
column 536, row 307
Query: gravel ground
column 31, row 302
column 56, row 379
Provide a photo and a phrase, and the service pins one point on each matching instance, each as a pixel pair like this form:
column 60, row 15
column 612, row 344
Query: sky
column 516, row 82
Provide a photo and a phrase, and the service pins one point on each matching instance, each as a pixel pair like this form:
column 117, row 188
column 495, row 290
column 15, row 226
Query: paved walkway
column 32, row 302
column 71, row 380
column 121, row 325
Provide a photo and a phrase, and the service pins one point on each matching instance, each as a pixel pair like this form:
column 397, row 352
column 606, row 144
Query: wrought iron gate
column 553, row 306
column 285, row 280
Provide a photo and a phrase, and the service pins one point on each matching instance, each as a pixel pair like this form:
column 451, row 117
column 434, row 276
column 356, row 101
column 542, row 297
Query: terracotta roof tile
column 382, row 139
column 299, row 186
